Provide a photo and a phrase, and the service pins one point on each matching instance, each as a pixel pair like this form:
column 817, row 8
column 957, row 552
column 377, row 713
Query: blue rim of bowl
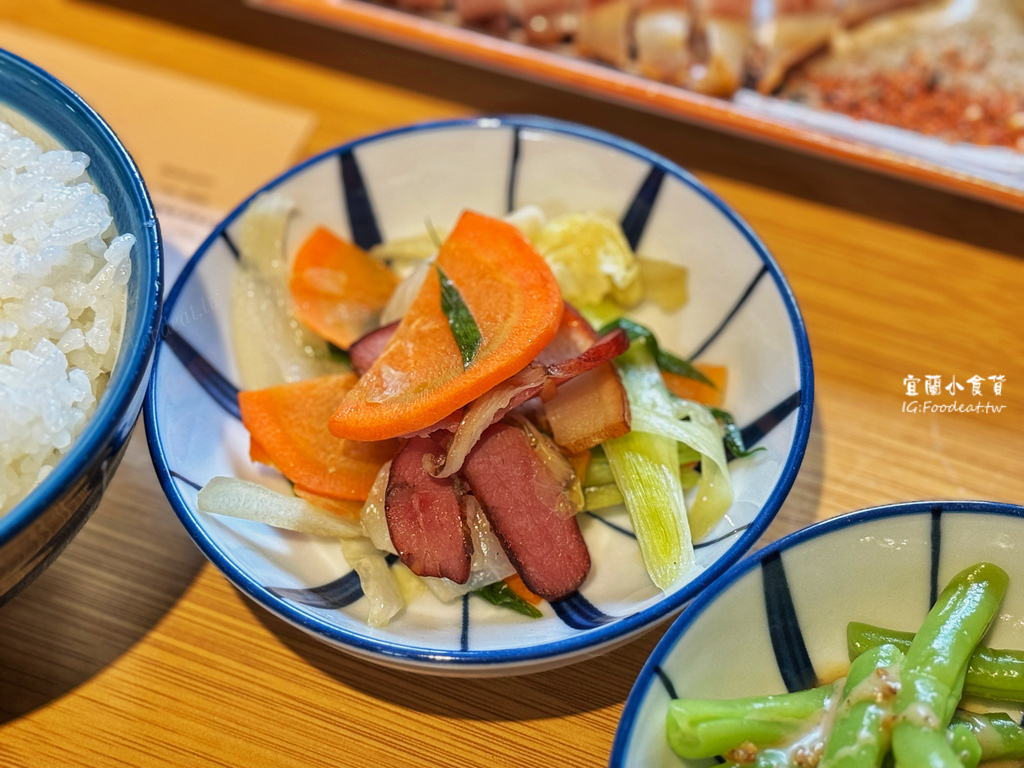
column 693, row 611
column 125, row 382
column 606, row 634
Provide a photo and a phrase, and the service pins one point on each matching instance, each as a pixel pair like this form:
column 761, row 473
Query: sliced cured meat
column 519, row 497
column 532, row 381
column 367, row 348
column 425, row 516
column 591, row 407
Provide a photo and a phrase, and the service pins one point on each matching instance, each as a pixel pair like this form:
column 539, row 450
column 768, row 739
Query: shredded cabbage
column 271, row 345
column 590, row 258
column 232, row 497
column 378, row 582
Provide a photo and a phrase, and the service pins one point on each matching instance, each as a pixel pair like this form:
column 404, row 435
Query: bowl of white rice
column 80, row 300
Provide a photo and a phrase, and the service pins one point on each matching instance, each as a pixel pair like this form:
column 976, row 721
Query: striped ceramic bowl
column 776, row 622
column 741, row 313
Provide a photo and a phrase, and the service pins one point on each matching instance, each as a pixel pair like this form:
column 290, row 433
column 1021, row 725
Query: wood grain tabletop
column 133, row 650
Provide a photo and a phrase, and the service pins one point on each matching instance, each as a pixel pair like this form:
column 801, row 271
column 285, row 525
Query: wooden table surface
column 133, row 650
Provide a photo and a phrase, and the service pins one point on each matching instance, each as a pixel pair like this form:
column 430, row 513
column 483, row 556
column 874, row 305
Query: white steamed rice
column 63, row 288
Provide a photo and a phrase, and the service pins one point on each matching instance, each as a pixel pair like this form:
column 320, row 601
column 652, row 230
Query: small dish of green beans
column 892, row 636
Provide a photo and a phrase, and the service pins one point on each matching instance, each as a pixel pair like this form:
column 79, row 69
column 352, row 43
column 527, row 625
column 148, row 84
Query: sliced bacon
column 519, row 496
column 425, row 517
column 368, row 348
column 529, row 382
column 593, row 406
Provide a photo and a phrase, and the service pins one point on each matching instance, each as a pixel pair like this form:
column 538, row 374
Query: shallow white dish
column 741, row 313
column 777, row 620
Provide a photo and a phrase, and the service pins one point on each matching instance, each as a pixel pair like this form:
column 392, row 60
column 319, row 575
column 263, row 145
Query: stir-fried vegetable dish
column 457, row 399
column 901, row 703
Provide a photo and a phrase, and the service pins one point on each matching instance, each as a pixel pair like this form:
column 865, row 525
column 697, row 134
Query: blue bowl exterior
column 650, row 672
column 474, row 662
column 37, row 529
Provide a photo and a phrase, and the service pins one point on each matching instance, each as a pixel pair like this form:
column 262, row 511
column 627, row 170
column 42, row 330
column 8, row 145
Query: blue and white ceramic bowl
column 37, row 529
column 776, row 622
column 741, row 313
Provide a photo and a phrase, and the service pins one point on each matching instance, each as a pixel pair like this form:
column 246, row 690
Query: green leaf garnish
column 666, row 361
column 460, row 319
column 732, row 436
column 500, row 593
column 338, row 354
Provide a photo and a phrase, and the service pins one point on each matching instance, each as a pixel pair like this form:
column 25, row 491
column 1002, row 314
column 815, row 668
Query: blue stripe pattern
column 464, row 634
column 666, row 681
column 186, row 480
column 634, row 222
column 610, row 524
column 361, row 218
column 340, row 593
column 223, row 392
column 784, row 628
column 756, row 431
column 230, row 244
column 732, row 312
column 579, row 613
column 513, row 173
column 936, row 544
column 708, row 542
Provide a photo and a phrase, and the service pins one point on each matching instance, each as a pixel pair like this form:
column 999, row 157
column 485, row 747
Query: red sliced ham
column 519, row 495
column 425, row 516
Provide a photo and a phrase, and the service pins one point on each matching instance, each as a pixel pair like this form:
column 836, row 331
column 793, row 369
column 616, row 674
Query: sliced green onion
column 460, row 319
column 501, row 594
column 692, row 423
column 601, row 496
column 646, row 470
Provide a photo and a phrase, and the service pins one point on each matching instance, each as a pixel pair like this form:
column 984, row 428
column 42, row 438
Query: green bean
column 999, row 735
column 935, row 665
column 706, row 728
column 860, row 733
column 964, row 744
column 991, row 673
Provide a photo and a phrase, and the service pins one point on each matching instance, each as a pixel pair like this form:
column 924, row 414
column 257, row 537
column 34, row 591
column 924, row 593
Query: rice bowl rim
column 138, row 342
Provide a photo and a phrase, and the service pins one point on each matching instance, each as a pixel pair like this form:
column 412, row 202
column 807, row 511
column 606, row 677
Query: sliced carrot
column 580, row 463
column 515, row 583
column 338, row 289
column 288, row 424
column 420, row 378
column 690, row 389
column 258, row 453
column 348, row 508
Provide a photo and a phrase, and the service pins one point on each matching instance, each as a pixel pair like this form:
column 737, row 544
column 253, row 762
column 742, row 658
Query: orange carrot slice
column 690, row 389
column 515, row 583
column 420, row 377
column 288, row 425
column 338, row 289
